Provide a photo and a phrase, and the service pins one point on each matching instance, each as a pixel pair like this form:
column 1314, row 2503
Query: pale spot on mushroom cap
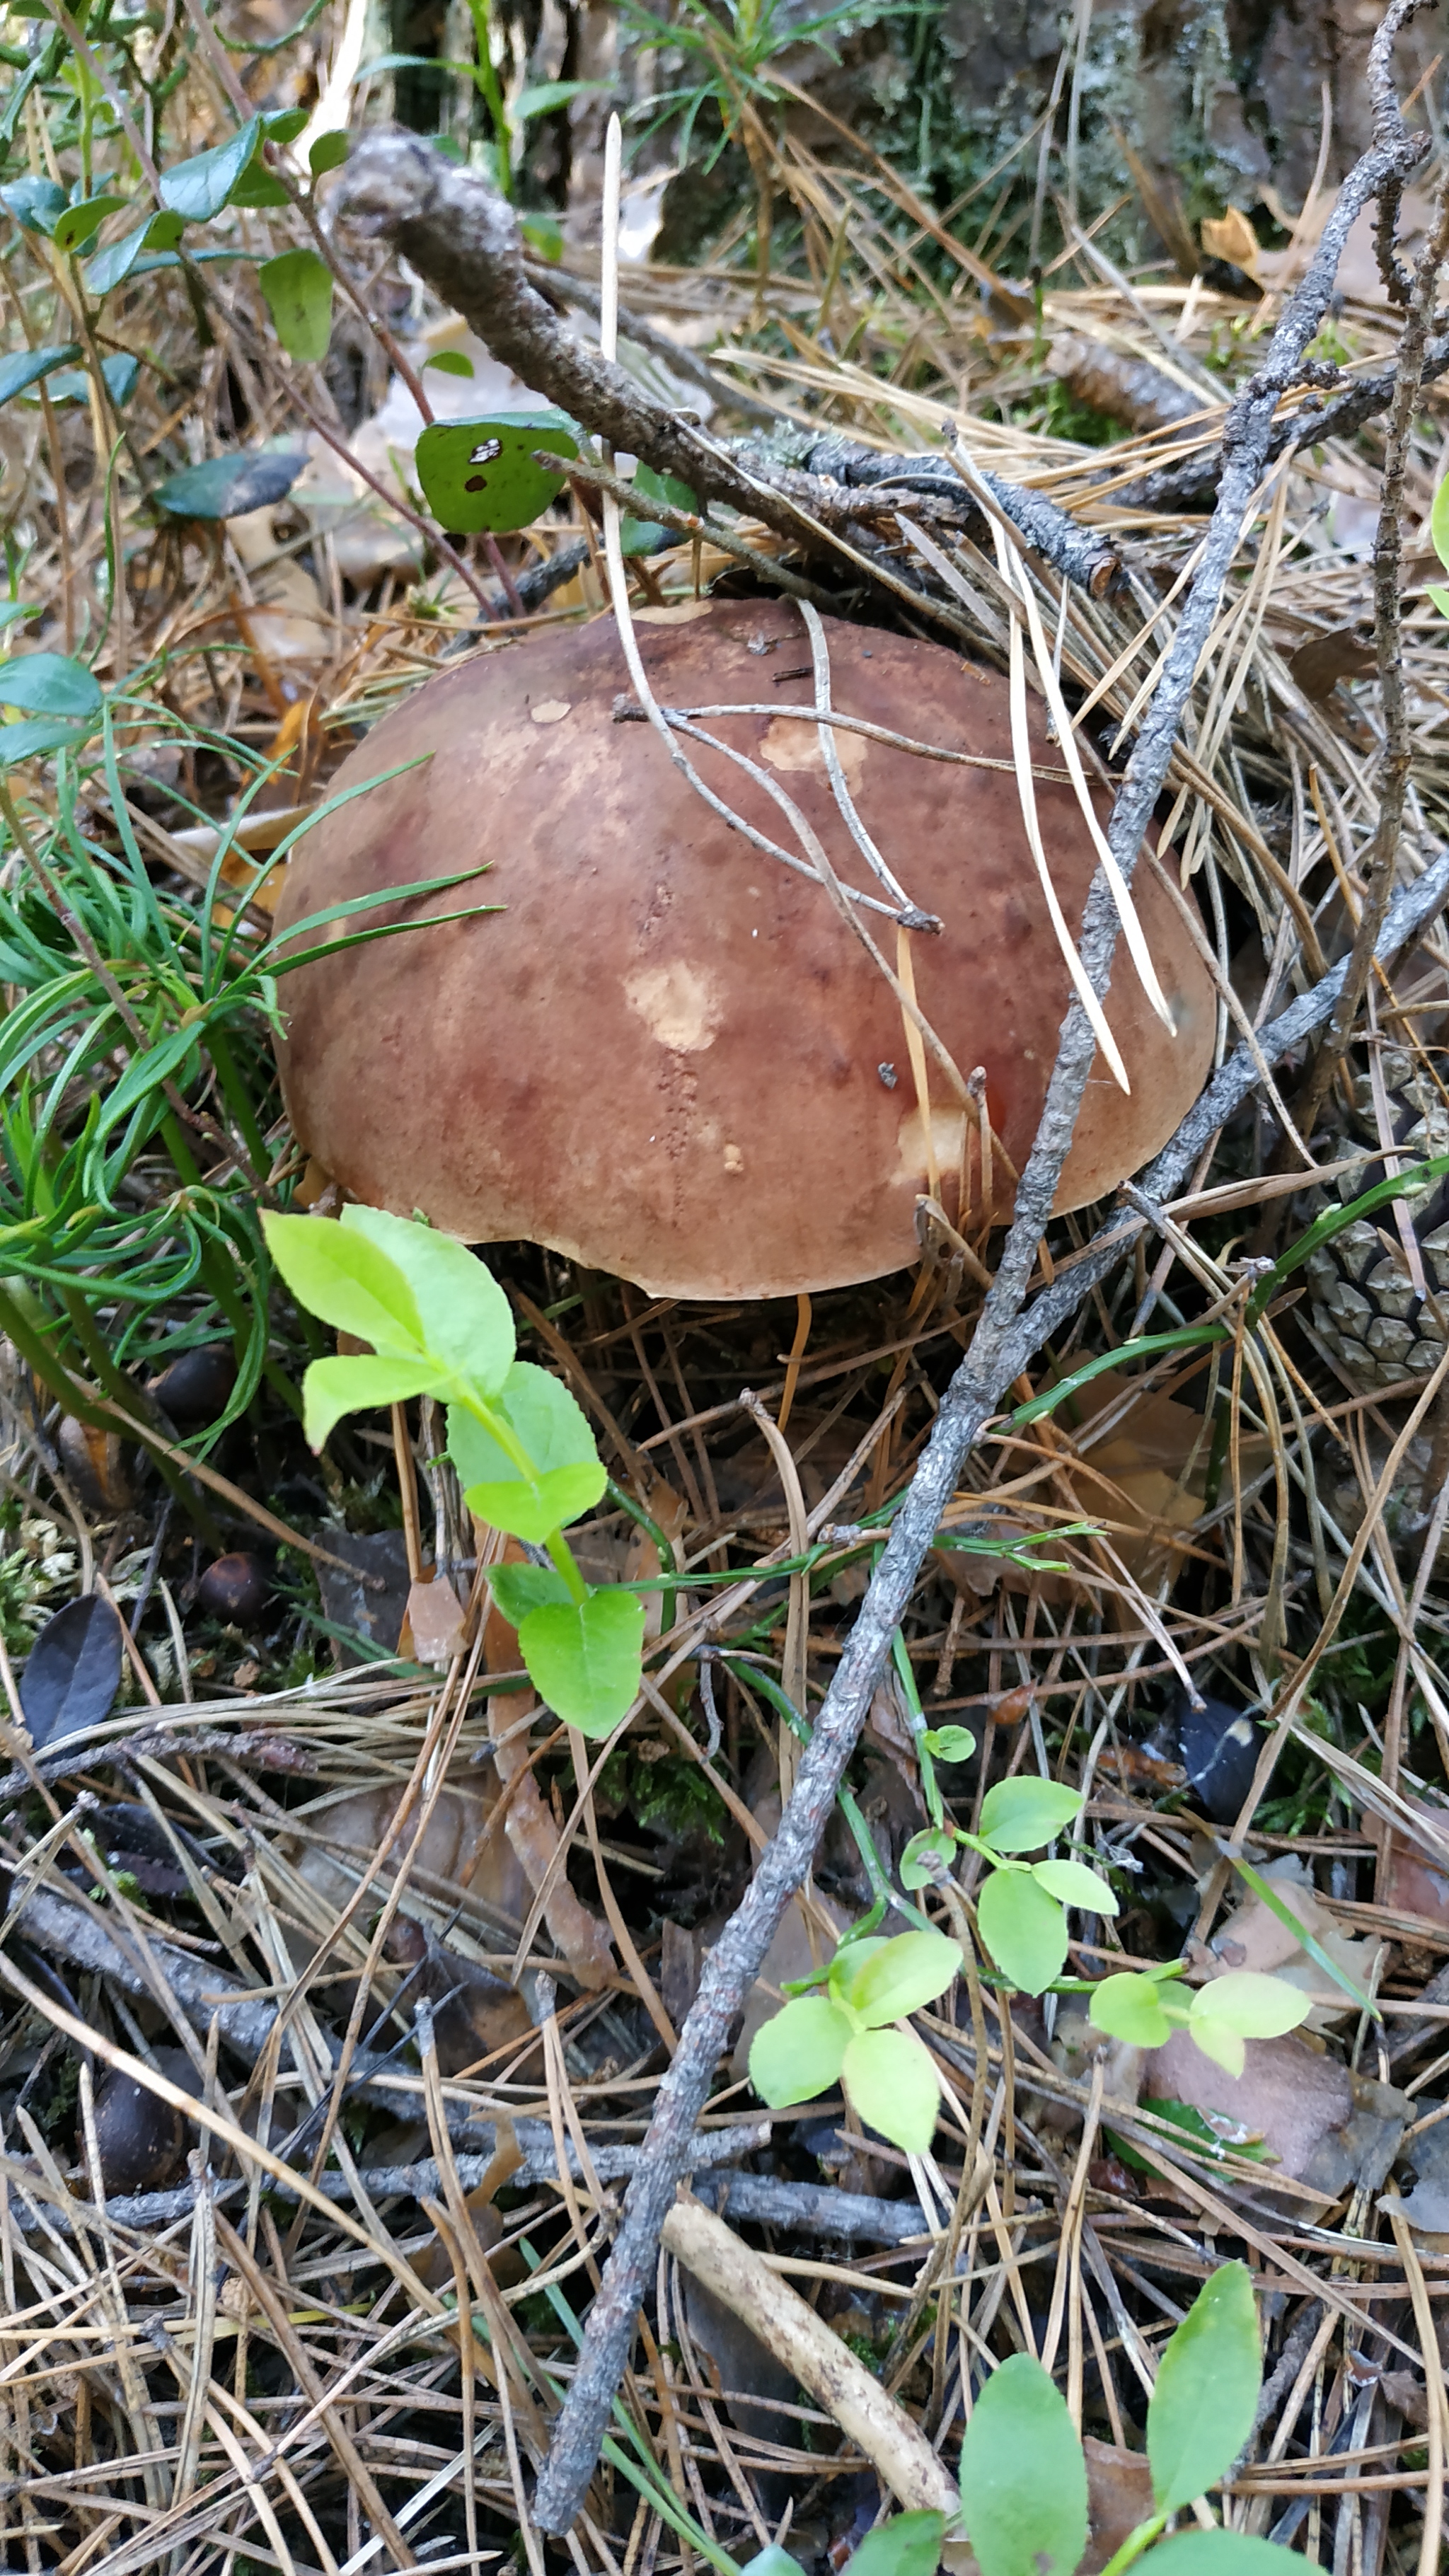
column 790, row 743
column 550, row 711
column 948, row 1132
column 678, row 1004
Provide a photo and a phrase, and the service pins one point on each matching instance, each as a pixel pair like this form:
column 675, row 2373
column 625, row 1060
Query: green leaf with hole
column 896, row 1977
column 1202, row 2406
column 1023, row 1928
column 327, row 153
column 1072, row 1883
column 1129, row 2007
column 480, row 474
column 585, row 1657
column 334, row 1387
column 799, row 2052
column 336, row 1273
column 891, row 2083
column 26, row 367
column 297, row 287
column 49, row 684
column 466, row 1320
column 199, row 188
column 566, row 1475
column 79, row 224
column 519, row 1589
column 949, row 1743
column 1019, row 1815
column 1023, row 2478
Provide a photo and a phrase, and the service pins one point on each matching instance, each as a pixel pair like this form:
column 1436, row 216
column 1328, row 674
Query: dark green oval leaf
column 199, row 188
column 49, row 684
column 327, row 153
column 74, row 1670
column 26, row 367
column 227, row 487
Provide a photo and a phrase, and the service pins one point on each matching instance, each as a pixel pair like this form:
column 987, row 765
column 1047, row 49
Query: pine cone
column 1365, row 1305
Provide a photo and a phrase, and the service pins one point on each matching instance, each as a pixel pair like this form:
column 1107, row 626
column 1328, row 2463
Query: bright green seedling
column 439, row 1324
column 480, row 474
column 1024, row 2482
column 845, row 2035
column 1145, row 2010
column 1024, row 2495
column 1020, row 1907
column 1439, row 531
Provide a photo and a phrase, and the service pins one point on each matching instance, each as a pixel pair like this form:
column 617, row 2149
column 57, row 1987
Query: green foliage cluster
column 1024, row 2479
column 438, row 1324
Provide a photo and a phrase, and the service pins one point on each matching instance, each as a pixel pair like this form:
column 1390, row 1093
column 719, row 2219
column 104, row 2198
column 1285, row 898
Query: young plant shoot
column 438, row 1324
column 1024, row 2496
column 852, row 2034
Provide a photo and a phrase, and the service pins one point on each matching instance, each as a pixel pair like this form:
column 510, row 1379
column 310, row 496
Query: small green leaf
column 284, row 124
column 1018, row 1815
column 1202, row 2407
column 164, row 231
column 466, row 1319
column 926, row 1855
column 908, row 2545
column 298, row 291
column 585, row 1657
column 25, row 367
column 896, row 1978
column 115, row 262
column 1440, row 598
column 327, row 153
column 36, row 204
column 799, row 2052
column 227, row 487
column 1074, row 1884
column 949, row 1743
column 518, row 1589
column 1220, row 2041
column 1257, row 2006
column 547, row 96
column 1024, row 1929
column 334, row 1387
column 1129, row 2007
column 337, row 1274
column 891, row 2083
column 79, row 223
column 1023, row 2478
column 49, row 684
column 567, row 1475
column 451, row 362
column 773, row 2561
column 259, row 185
column 1216, row 2553
column 199, row 188
column 28, row 741
column 481, row 474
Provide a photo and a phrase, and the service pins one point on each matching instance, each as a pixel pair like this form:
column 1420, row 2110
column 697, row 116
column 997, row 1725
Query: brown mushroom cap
column 666, row 1055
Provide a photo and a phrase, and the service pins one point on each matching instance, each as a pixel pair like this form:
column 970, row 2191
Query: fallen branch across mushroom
column 992, row 1361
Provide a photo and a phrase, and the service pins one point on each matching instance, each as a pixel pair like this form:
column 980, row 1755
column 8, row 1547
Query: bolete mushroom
column 665, row 1053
